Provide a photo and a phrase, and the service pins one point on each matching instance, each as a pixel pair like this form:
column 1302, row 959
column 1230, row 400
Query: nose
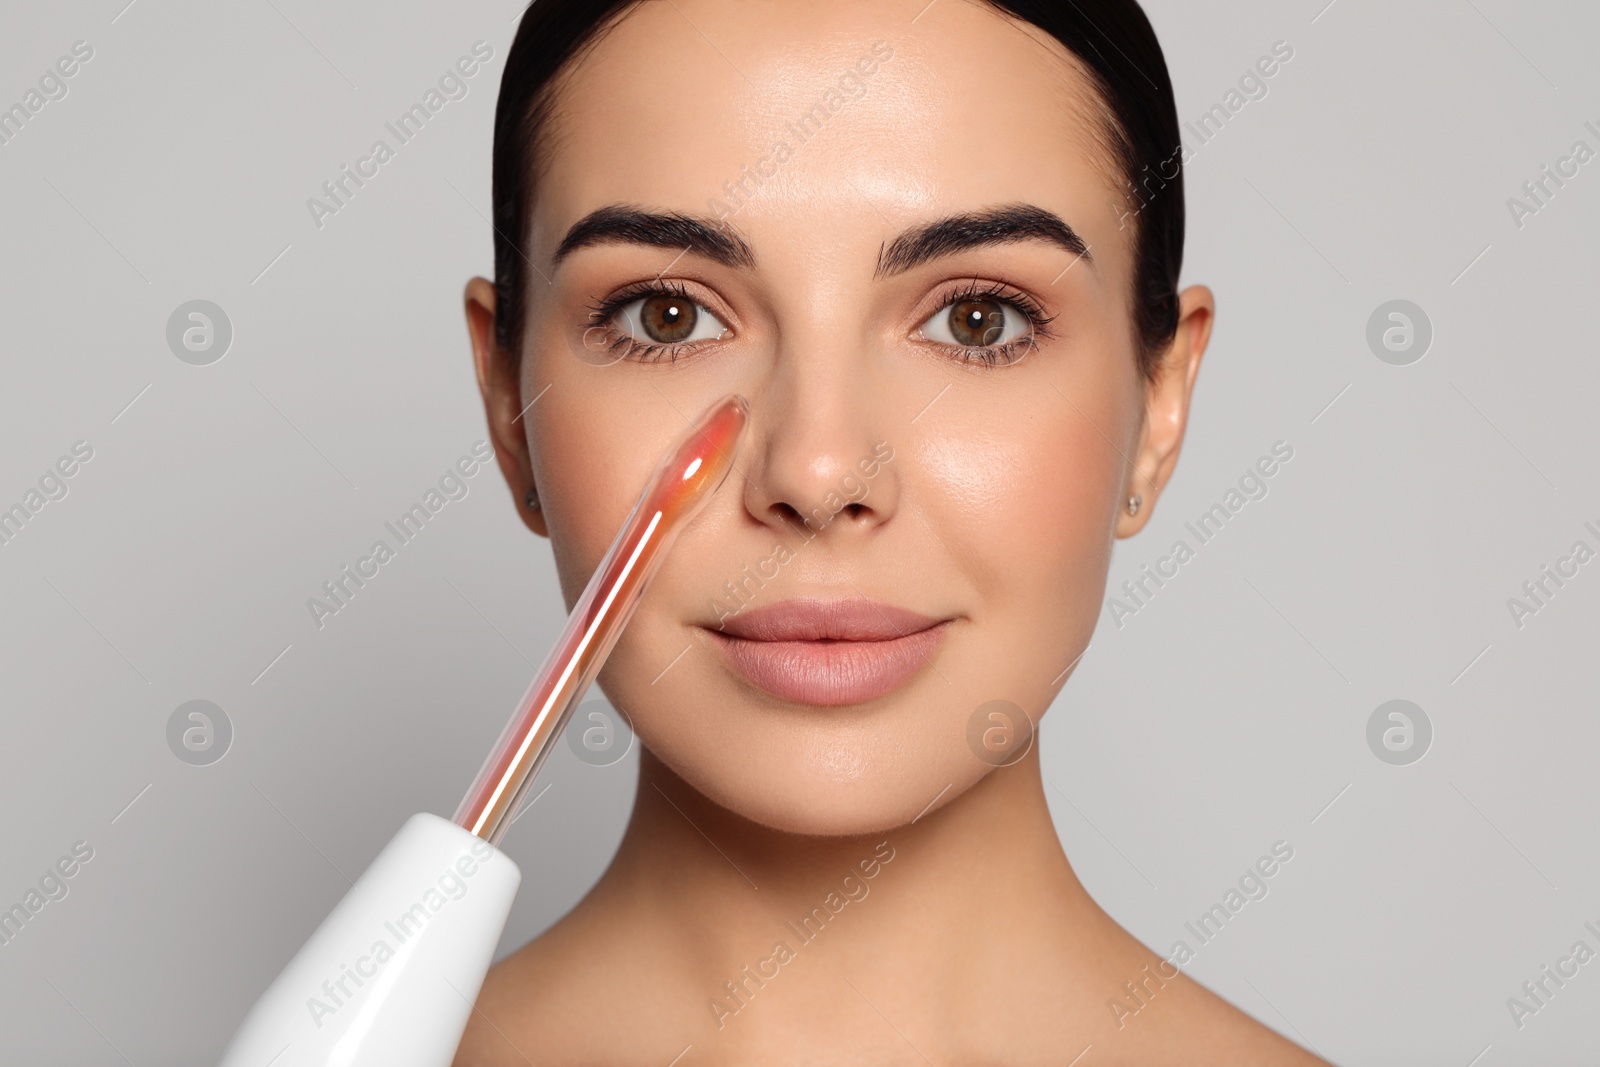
column 820, row 436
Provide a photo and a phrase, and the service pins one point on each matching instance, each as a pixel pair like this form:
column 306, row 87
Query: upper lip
column 846, row 619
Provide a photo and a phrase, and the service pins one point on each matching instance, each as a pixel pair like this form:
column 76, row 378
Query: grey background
column 1227, row 714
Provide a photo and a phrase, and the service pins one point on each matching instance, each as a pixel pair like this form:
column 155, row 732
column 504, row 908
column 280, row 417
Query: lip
column 829, row 652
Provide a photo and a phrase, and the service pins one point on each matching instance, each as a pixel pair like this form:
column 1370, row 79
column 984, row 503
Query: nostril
column 788, row 512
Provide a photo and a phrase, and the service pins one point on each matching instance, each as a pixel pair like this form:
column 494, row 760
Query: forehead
column 830, row 117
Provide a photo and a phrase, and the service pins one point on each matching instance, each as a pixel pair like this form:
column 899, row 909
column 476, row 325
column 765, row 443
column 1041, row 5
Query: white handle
column 389, row 978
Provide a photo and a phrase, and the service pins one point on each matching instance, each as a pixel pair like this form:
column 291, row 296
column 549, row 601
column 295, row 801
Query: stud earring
column 532, row 500
column 1133, row 503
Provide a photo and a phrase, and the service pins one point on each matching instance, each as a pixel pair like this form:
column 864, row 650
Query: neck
column 684, row 842
column 904, row 911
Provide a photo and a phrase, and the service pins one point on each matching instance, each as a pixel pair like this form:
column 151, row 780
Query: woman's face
column 906, row 444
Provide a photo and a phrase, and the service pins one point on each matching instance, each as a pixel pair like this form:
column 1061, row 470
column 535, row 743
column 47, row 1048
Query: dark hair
column 1111, row 38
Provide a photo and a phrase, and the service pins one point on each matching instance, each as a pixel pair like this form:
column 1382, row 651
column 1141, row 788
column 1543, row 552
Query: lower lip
column 831, row 673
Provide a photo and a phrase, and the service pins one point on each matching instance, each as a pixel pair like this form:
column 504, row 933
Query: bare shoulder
column 1151, row 1011
column 506, row 1026
column 1184, row 1022
column 578, row 993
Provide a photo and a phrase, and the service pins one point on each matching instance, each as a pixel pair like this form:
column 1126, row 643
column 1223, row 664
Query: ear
column 1167, row 407
column 502, row 402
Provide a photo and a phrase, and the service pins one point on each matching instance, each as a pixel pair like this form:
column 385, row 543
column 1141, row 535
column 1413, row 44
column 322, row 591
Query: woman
column 936, row 246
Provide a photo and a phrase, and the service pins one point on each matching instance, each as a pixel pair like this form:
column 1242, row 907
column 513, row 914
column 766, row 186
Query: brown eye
column 666, row 319
column 977, row 322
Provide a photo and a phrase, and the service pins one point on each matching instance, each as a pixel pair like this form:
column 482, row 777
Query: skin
column 973, row 942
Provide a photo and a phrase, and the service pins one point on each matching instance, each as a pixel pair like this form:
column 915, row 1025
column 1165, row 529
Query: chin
column 822, row 772
column 810, row 805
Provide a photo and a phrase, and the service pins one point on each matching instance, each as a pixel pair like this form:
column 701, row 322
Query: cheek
column 588, row 475
column 1026, row 509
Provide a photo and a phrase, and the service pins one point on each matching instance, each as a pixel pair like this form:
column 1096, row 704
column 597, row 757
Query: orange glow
column 682, row 483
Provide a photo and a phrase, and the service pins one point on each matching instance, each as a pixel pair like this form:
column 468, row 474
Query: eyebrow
column 720, row 242
column 623, row 223
column 958, row 233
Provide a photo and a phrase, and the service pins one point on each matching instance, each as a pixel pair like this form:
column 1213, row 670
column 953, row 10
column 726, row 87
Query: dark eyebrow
column 956, row 233
column 718, row 241
column 709, row 237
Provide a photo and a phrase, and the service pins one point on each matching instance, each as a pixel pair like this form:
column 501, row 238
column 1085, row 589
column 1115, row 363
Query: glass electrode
column 684, row 480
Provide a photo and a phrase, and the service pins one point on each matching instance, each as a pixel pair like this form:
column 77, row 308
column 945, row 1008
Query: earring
column 532, row 500
column 1133, row 503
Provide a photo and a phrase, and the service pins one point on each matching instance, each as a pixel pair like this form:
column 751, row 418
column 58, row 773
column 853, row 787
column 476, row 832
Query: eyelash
column 1000, row 293
column 602, row 312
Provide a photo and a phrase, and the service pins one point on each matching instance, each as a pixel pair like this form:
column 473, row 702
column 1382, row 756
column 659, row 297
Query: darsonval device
column 390, row 977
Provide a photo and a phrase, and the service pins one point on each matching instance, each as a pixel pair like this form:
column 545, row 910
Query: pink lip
column 829, row 652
